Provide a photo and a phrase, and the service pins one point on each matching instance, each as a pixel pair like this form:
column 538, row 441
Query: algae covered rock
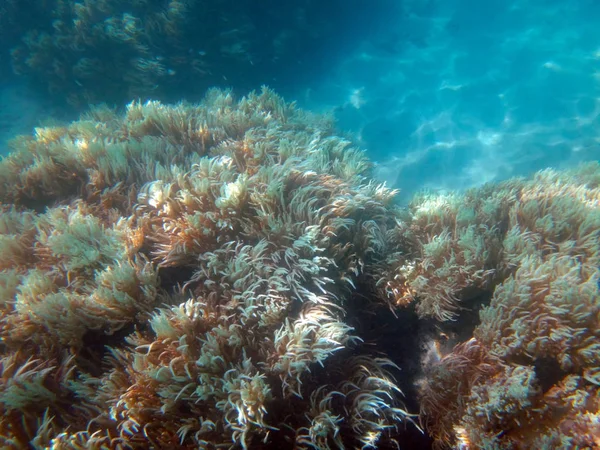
column 177, row 276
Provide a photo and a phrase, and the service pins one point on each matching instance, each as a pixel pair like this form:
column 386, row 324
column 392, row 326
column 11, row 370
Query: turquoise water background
column 471, row 92
column 445, row 94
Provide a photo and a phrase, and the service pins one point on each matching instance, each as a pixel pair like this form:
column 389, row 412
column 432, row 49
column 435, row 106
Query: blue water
column 443, row 94
column 457, row 93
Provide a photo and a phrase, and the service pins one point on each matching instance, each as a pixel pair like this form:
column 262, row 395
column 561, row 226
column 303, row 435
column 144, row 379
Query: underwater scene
column 232, row 224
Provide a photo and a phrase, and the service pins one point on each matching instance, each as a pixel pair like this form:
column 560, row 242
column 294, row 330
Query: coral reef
column 176, row 278
column 528, row 378
column 445, row 249
column 214, row 276
column 116, row 51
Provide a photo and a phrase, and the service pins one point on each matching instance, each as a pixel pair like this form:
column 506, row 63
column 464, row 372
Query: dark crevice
column 397, row 336
column 171, row 277
column 95, row 348
column 463, row 327
column 548, row 372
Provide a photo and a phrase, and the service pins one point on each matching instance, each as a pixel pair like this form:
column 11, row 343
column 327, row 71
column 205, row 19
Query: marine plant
column 176, row 277
column 529, row 376
column 114, row 51
column 444, row 251
column 200, row 276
